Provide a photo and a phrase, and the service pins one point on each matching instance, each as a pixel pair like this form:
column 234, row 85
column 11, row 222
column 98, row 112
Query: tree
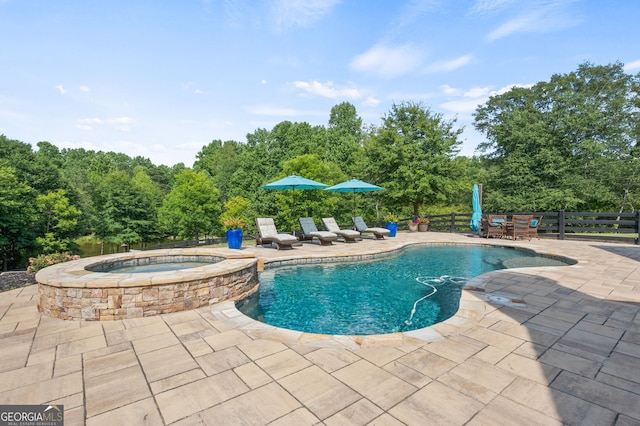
column 16, row 217
column 123, row 210
column 569, row 143
column 412, row 156
column 59, row 220
column 220, row 160
column 192, row 208
column 345, row 136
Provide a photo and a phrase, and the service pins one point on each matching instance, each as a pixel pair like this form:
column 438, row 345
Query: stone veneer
column 70, row 291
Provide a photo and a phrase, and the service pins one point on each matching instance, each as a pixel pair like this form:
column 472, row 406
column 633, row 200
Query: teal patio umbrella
column 354, row 185
column 292, row 183
column 476, row 217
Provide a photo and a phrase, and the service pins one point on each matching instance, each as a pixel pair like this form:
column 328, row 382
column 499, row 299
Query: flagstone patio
column 564, row 349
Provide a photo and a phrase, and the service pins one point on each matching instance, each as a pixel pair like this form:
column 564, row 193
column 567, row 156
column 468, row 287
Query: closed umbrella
column 292, row 183
column 354, row 185
column 476, row 217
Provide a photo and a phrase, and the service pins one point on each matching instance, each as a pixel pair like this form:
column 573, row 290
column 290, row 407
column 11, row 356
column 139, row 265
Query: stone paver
column 568, row 355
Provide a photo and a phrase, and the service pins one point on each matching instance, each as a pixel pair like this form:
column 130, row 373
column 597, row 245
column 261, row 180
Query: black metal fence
column 562, row 225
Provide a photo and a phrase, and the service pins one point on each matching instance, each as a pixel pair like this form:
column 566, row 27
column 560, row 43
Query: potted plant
column 423, row 224
column 391, row 223
column 234, row 227
column 413, row 225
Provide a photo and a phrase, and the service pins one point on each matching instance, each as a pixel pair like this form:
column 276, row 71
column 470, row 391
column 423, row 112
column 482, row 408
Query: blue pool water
column 158, row 267
column 377, row 296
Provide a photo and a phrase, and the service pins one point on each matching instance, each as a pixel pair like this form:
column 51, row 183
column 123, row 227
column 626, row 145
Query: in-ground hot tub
column 94, row 289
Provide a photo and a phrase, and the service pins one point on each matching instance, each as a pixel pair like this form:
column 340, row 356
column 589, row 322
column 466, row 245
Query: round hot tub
column 113, row 286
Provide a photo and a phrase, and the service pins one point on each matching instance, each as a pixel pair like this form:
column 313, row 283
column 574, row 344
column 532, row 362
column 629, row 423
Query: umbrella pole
column 355, row 204
column 293, row 211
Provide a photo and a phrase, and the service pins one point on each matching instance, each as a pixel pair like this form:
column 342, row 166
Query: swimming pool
column 377, row 296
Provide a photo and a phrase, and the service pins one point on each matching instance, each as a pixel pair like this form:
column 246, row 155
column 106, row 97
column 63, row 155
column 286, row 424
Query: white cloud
column 490, row 6
column 505, row 89
column 61, row 89
column 84, row 89
column 414, row 10
column 388, row 62
column 299, row 13
column 327, row 90
column 544, row 17
column 477, row 92
column 451, row 65
column 371, row 101
column 474, row 97
column 448, row 90
column 632, row 66
column 122, row 124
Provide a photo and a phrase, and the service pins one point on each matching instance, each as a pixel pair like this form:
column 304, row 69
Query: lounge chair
column 349, row 235
column 494, row 225
column 519, row 227
column 533, row 228
column 378, row 233
column 310, row 231
column 268, row 234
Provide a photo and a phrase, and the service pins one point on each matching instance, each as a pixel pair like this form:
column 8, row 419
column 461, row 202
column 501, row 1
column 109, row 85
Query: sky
column 161, row 79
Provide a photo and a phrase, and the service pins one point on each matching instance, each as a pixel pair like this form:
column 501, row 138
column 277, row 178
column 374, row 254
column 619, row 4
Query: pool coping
column 475, row 303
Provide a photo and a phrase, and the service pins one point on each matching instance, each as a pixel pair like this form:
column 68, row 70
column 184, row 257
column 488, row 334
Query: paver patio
column 570, row 354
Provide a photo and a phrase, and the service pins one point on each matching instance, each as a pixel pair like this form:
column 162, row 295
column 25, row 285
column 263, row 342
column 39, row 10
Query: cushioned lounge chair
column 310, row 231
column 361, row 226
column 349, row 235
column 268, row 234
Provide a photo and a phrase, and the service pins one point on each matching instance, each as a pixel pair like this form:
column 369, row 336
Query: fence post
column 452, row 229
column 561, row 225
column 637, row 227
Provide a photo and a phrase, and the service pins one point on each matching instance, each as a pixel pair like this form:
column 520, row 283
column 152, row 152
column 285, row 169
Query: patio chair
column 494, row 225
column 361, row 227
column 268, row 234
column 349, row 235
column 519, row 227
column 310, row 231
column 533, row 228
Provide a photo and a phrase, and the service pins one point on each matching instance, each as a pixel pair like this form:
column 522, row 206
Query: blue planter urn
column 393, row 228
column 234, row 238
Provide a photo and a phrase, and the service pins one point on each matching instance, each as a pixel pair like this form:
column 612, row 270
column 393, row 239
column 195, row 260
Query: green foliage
column 569, row 143
column 238, row 213
column 59, row 220
column 16, row 218
column 412, row 157
column 391, row 217
column 124, row 209
column 220, row 160
column 192, row 208
column 345, row 135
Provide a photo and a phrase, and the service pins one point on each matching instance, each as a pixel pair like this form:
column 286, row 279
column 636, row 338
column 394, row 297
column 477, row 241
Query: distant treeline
column 567, row 144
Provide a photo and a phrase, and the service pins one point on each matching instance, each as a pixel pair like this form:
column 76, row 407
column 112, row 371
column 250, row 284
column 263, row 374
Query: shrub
column 44, row 260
